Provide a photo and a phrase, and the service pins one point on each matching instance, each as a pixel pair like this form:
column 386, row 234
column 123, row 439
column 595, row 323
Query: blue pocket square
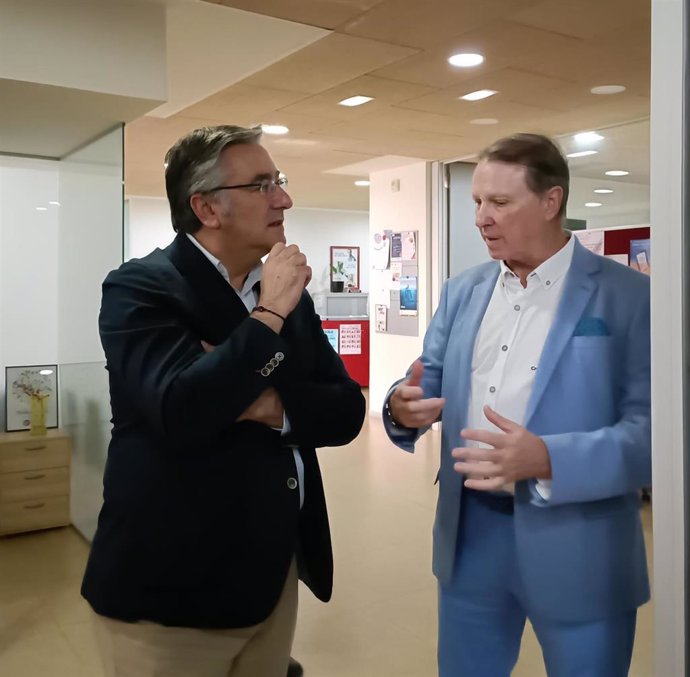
column 591, row 326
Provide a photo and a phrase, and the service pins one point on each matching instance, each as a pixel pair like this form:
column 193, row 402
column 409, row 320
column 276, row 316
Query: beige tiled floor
column 380, row 623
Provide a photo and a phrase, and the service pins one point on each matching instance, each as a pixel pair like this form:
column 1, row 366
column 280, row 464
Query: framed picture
column 24, row 383
column 344, row 268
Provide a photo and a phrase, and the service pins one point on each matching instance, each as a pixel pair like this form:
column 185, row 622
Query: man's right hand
column 284, row 277
column 409, row 407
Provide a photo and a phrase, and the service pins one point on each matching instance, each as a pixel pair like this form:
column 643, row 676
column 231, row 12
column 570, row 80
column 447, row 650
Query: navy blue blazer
column 201, row 518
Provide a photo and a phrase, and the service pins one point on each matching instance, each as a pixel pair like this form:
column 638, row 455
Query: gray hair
column 191, row 166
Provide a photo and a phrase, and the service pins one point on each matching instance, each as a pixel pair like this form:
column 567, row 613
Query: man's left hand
column 517, row 454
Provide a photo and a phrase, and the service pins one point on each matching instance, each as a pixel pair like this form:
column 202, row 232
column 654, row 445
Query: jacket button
column 280, row 357
column 292, row 483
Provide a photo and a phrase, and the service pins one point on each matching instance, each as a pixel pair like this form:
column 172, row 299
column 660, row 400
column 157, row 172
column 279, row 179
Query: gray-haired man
column 222, row 385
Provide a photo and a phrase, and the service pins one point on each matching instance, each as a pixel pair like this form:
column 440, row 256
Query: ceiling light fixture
column 478, row 95
column 54, row 202
column 466, row 60
column 593, row 204
column 603, row 191
column 588, row 137
column 484, row 121
column 362, row 183
column 274, row 129
column 582, row 153
column 41, row 209
column 355, row 101
column 617, row 172
column 607, row 89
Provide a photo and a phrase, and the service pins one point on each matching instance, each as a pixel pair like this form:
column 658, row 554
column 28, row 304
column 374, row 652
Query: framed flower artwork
column 24, row 385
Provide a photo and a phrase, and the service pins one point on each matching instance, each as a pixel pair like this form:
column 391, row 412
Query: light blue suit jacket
column 581, row 554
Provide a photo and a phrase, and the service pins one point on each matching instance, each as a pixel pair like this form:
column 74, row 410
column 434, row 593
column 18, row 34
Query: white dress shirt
column 249, row 296
column 510, row 341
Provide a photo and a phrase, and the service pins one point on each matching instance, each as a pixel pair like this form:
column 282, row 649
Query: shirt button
column 548, row 282
column 517, row 307
column 533, row 368
column 292, row 483
column 492, row 389
column 504, row 348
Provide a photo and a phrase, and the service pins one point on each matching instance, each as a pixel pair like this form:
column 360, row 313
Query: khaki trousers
column 146, row 649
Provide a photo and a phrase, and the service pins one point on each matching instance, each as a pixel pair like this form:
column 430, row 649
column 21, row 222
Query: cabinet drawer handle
column 35, row 477
column 34, row 506
column 43, row 446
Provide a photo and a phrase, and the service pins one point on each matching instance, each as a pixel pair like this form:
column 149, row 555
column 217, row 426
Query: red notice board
column 350, row 338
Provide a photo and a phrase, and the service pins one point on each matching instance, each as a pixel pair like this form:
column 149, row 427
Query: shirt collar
column 254, row 274
column 552, row 270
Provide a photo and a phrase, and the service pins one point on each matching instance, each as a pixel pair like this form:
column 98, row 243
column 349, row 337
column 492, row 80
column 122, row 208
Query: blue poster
column 408, row 294
column 332, row 336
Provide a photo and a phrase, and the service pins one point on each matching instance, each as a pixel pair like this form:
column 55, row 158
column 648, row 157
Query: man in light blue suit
column 538, row 366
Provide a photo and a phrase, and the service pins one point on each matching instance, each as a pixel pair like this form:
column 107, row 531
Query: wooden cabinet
column 34, row 481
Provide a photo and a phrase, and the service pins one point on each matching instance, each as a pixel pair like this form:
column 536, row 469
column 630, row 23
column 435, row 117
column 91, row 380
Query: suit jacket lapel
column 579, row 287
column 470, row 320
column 216, row 303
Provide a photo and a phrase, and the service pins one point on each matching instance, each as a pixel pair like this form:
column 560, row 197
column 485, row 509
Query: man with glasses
column 222, row 385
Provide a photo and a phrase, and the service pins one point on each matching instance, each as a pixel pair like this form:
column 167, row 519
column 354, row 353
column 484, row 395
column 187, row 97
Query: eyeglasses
column 264, row 186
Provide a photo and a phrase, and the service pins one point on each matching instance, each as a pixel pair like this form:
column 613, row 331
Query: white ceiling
column 543, row 56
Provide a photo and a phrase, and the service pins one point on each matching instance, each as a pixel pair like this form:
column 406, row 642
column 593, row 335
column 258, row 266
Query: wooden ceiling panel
column 329, row 62
column 385, row 92
column 543, row 56
column 321, row 13
column 503, row 44
column 586, row 19
column 424, row 24
column 240, row 101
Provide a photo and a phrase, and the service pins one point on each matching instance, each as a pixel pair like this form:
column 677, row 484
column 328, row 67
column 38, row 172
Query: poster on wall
column 396, row 246
column 591, row 239
column 350, row 339
column 28, row 387
column 332, row 336
column 396, row 274
column 381, row 318
column 345, row 266
column 640, row 256
column 408, row 295
column 380, row 251
column 409, row 245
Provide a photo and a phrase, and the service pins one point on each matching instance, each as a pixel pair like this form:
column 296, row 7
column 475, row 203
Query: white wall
column 28, row 265
column 669, row 372
column 114, row 48
column 314, row 230
column 407, row 209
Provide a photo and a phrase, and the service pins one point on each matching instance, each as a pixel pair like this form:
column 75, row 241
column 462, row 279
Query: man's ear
column 552, row 200
column 205, row 210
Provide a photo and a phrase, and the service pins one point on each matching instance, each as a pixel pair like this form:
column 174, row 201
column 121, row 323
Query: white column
column 668, row 373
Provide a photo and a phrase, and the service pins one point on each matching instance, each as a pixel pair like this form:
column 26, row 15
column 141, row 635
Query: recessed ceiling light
column 478, row 95
column 603, row 191
column 484, row 121
column 355, row 101
column 274, row 129
column 617, row 172
column 593, row 204
column 608, row 89
column 54, row 202
column 588, row 137
column 45, row 372
column 582, row 153
column 41, row 209
column 362, row 183
column 466, row 60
